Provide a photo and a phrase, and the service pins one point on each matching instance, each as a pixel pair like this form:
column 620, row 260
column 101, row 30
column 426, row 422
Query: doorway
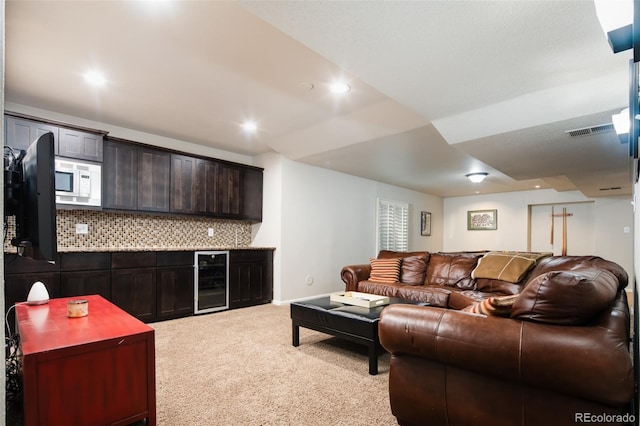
column 558, row 225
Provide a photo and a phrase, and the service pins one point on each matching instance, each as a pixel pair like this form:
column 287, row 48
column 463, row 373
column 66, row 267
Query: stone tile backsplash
column 110, row 231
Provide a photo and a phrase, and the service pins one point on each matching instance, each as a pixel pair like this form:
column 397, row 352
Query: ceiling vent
column 613, row 188
column 593, row 130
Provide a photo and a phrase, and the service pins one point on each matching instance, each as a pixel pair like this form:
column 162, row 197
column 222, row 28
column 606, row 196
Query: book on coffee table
column 359, row 299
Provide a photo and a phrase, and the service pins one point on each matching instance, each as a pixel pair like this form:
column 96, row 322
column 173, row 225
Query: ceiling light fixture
column 477, row 177
column 616, row 20
column 622, row 124
column 339, row 88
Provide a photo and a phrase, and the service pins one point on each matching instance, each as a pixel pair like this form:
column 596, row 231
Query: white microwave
column 77, row 182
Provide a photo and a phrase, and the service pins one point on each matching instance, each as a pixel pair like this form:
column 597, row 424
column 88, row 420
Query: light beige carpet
column 238, row 367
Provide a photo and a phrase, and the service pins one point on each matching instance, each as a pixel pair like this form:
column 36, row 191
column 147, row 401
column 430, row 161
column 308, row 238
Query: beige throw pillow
column 510, row 267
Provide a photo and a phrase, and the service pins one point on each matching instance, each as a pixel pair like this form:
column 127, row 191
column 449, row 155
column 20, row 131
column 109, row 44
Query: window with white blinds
column 393, row 226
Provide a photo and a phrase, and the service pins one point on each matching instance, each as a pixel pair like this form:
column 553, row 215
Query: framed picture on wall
column 482, row 220
column 425, row 224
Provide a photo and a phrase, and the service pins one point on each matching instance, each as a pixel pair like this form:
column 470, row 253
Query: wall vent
column 593, row 130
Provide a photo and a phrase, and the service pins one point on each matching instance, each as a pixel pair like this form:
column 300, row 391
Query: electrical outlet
column 82, row 228
column 210, row 232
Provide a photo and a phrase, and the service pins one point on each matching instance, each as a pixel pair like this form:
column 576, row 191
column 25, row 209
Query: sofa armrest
column 353, row 274
column 591, row 362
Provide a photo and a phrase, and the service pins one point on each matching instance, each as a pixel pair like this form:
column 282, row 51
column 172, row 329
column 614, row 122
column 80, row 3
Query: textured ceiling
column 439, row 88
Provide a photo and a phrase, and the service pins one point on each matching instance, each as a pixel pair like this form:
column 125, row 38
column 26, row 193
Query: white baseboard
column 288, row 302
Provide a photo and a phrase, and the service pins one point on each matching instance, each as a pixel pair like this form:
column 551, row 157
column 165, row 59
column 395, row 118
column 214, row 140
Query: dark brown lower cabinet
column 151, row 286
column 175, row 292
column 250, row 277
column 134, row 290
column 20, row 274
column 174, row 285
column 83, row 283
column 85, row 273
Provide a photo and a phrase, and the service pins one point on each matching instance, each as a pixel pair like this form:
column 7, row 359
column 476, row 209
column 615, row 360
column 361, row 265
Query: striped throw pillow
column 385, row 270
column 499, row 306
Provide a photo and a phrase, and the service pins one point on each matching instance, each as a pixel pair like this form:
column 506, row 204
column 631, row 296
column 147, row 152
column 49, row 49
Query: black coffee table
column 353, row 323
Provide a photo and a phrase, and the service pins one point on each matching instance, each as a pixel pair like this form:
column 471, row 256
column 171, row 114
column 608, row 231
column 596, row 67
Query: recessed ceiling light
column 250, row 126
column 339, row 87
column 95, row 78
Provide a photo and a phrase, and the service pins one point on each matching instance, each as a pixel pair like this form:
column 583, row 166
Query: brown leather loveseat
column 549, row 349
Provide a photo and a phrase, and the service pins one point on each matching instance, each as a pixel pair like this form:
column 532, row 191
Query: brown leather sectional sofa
column 558, row 354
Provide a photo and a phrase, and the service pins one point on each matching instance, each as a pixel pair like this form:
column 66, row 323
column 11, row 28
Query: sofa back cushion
column 566, row 297
column 452, row 269
column 564, row 263
column 388, row 254
column 413, row 269
column 413, row 265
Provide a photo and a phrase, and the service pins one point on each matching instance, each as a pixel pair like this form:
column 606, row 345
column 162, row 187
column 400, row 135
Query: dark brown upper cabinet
column 139, row 177
column 72, row 143
column 188, row 184
column 120, row 176
column 154, row 168
column 80, row 145
column 215, row 188
column 20, row 132
column 135, row 177
column 228, row 199
column 252, row 194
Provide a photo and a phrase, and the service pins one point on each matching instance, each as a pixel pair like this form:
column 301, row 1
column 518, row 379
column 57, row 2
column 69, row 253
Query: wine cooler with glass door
column 211, row 281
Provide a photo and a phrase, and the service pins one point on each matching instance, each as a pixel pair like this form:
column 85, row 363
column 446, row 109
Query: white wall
column 611, row 216
column 268, row 232
column 326, row 221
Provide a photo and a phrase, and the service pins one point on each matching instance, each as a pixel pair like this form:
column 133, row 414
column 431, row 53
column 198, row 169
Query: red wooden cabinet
column 98, row 369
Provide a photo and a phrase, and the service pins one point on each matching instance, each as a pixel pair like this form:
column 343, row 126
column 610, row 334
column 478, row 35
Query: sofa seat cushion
column 569, row 297
column 433, row 295
column 381, row 289
column 489, row 285
column 452, row 269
